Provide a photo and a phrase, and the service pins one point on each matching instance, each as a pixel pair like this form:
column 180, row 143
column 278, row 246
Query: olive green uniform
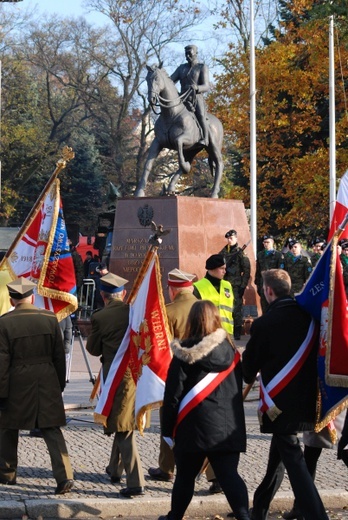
column 299, row 269
column 108, row 328
column 266, row 260
column 238, row 274
column 177, row 313
column 32, row 378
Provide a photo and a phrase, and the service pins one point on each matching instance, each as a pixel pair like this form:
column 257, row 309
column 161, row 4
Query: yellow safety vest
column 224, row 300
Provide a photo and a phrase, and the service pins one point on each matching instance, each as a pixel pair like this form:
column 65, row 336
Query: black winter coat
column 218, row 422
column 274, row 339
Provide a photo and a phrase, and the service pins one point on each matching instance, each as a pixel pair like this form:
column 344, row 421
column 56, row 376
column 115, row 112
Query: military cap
column 178, row 278
column 112, row 283
column 21, row 288
column 317, row 240
column 267, row 237
column 231, row 233
column 292, row 242
column 215, row 261
column 101, row 267
column 344, row 244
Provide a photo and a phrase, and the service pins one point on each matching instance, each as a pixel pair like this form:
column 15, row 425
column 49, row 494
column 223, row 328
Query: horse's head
column 155, row 83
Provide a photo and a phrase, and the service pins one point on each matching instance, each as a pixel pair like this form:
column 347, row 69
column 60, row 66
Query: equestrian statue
column 183, row 124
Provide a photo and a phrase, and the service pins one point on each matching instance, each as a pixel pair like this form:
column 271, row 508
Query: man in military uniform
column 108, row 328
column 238, row 274
column 344, row 262
column 318, row 245
column 268, row 258
column 213, row 287
column 194, row 80
column 180, row 289
column 32, row 378
column 298, row 266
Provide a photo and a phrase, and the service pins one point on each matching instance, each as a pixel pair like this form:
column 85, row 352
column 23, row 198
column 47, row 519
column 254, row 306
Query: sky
column 207, row 46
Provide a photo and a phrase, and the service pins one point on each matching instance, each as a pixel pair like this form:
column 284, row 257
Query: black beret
column 293, row 241
column 317, row 240
column 231, row 233
column 266, row 237
column 215, row 261
column 344, row 244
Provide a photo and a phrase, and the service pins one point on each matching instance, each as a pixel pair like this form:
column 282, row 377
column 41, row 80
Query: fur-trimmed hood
column 200, row 350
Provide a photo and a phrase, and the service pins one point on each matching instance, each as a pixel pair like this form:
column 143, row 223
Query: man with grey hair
column 109, row 325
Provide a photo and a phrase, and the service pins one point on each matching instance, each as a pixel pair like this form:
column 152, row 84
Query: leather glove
column 241, row 291
column 3, row 404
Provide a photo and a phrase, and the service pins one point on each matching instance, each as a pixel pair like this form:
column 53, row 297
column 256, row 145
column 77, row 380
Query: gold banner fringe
column 100, row 419
column 141, row 415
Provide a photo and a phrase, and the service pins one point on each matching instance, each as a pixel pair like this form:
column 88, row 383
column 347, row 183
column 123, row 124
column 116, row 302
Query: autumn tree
column 292, row 122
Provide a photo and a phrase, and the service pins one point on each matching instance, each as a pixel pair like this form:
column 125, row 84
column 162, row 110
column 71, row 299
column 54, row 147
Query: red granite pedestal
column 197, row 230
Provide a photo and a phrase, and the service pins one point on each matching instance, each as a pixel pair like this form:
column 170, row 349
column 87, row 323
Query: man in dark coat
column 238, row 274
column 180, row 289
column 108, row 328
column 283, row 348
column 32, row 378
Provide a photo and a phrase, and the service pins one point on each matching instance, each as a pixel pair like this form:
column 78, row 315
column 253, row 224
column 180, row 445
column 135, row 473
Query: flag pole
column 67, row 155
column 137, row 283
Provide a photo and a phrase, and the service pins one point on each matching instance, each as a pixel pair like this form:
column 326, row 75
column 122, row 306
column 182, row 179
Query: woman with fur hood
column 203, row 413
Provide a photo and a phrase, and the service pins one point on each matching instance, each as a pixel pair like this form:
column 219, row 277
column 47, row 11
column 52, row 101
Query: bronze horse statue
column 177, row 129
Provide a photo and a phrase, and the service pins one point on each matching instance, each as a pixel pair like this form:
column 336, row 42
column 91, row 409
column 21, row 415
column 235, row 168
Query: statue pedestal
column 197, row 230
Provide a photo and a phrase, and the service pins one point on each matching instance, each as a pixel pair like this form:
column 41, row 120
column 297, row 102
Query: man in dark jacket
column 238, row 274
column 283, row 348
column 32, row 378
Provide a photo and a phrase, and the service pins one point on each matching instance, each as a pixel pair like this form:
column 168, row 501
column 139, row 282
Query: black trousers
column 225, row 466
column 285, row 452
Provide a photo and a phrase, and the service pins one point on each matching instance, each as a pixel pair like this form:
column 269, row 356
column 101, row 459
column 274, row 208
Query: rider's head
column 191, row 52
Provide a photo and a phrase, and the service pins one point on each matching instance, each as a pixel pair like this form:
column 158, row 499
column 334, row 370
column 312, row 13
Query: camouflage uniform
column 299, row 269
column 238, row 274
column 267, row 260
column 344, row 262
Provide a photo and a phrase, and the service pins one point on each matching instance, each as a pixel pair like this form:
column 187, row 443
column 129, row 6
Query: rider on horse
column 194, row 80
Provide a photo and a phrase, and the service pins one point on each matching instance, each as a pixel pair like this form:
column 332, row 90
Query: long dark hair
column 204, row 318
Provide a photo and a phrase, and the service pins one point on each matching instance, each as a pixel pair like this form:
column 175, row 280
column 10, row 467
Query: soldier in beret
column 298, row 266
column 344, row 262
column 109, row 325
column 32, row 379
column 238, row 274
column 317, row 245
column 268, row 258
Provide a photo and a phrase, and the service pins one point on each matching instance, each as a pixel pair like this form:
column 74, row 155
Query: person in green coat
column 109, row 325
column 32, row 379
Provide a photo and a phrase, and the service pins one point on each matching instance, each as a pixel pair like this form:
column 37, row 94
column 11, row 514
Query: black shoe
column 36, row 432
column 64, row 487
column 129, row 492
column 215, row 487
column 7, row 482
column 293, row 514
column 164, row 517
column 236, row 337
column 158, row 474
column 114, row 480
column 231, row 515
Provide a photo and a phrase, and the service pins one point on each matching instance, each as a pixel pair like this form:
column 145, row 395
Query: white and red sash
column 202, row 389
column 285, row 375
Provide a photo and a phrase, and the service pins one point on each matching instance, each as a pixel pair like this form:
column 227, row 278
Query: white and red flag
column 145, row 348
column 341, row 209
column 41, row 252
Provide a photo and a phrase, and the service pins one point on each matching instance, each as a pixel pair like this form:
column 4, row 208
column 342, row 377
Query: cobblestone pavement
column 89, row 450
